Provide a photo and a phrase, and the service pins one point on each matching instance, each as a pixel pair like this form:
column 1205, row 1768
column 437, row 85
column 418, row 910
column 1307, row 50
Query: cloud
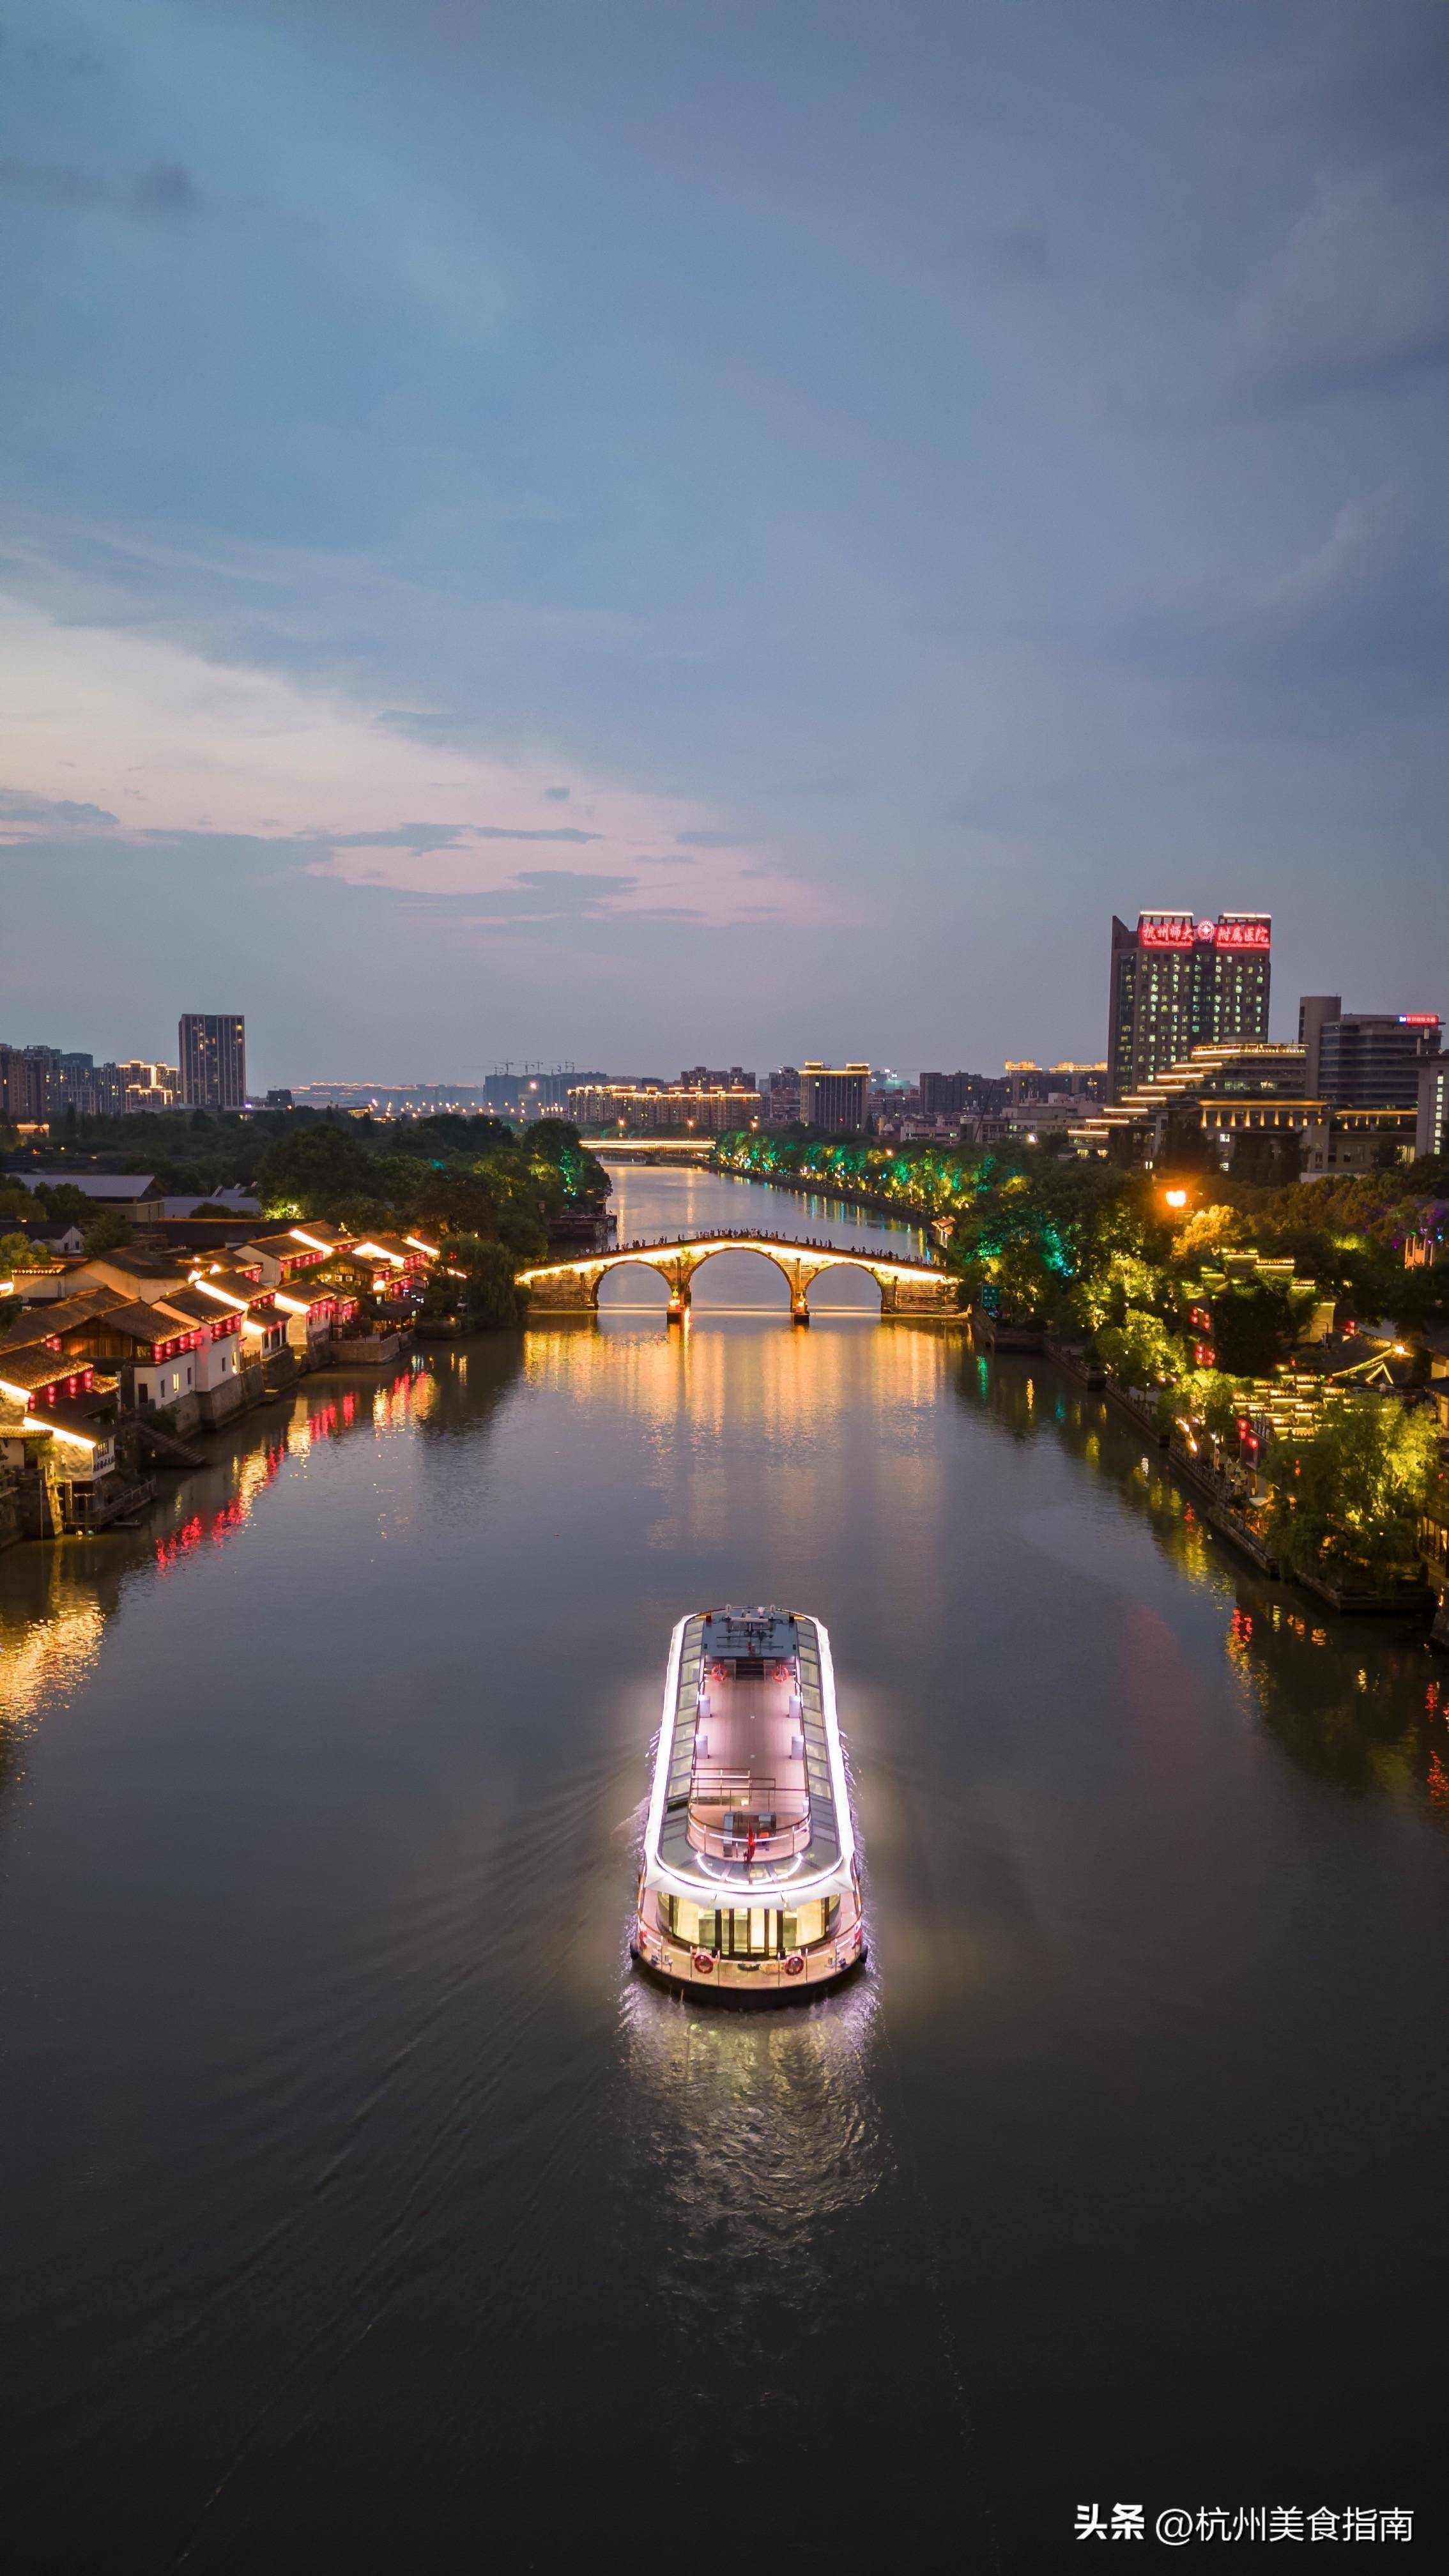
column 554, row 894
column 1365, row 609
column 423, row 837
column 556, row 795
column 416, row 725
column 1372, row 596
column 706, row 840
column 1359, row 291
column 418, row 837
column 164, row 192
column 48, row 813
column 506, row 832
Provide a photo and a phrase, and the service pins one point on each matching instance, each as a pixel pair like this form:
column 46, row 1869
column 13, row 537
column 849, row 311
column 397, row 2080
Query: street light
column 1175, row 1198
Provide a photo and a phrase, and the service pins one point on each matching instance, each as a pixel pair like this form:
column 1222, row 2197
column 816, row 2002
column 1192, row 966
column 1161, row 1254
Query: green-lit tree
column 1347, row 1501
column 1141, row 1351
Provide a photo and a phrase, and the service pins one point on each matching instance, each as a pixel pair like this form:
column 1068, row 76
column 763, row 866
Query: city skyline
column 490, row 556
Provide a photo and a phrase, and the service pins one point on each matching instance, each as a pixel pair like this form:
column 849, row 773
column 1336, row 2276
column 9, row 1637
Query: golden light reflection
column 45, row 1657
column 751, row 2129
column 56, row 1600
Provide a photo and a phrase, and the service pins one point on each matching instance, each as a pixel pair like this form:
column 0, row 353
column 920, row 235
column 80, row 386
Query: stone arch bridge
column 907, row 1286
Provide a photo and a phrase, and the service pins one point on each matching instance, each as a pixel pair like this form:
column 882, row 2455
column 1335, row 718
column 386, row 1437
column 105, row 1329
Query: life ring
column 703, row 1963
column 794, row 1965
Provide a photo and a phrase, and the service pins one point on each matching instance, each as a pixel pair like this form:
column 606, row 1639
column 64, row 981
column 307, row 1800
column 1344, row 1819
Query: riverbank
column 1222, row 1514
column 48, row 1497
column 899, row 1211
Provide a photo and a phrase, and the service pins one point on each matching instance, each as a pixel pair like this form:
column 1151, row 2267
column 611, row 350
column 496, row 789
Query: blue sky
column 671, row 531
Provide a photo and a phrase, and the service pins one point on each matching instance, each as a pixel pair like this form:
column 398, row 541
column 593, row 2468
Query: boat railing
column 741, row 1815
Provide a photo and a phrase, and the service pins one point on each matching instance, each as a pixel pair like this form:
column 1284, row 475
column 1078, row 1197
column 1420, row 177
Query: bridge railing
column 746, row 1237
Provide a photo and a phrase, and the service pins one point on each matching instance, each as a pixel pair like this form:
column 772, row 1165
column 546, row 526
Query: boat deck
column 750, row 1799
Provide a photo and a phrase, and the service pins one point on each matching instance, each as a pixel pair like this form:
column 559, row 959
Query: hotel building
column 1180, row 982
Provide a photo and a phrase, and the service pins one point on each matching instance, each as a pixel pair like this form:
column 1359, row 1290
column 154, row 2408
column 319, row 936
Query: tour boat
column 750, row 1883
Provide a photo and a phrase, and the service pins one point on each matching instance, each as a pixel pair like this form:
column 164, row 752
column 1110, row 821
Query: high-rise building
column 1365, row 1059
column 702, row 1077
column 833, row 1097
column 213, row 1060
column 1180, row 982
column 23, row 1092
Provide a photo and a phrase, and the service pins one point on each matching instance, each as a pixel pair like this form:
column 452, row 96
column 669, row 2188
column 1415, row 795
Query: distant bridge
column 654, row 1149
column 907, row 1286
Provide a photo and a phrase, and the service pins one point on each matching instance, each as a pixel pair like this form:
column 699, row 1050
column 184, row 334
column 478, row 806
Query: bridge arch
column 902, row 1284
column 634, row 1281
column 753, row 1253
column 850, row 1288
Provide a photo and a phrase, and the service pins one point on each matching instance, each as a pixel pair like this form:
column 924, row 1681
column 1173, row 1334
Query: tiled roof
column 81, row 1415
column 140, row 1323
column 32, row 1368
column 190, row 1306
column 39, row 1322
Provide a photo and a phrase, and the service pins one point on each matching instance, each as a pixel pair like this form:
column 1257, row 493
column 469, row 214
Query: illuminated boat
column 750, row 1883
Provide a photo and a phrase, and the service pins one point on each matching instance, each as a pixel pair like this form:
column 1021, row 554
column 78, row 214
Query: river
column 362, row 2207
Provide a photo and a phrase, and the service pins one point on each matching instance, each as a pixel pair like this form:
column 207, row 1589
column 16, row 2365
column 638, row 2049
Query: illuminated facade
column 213, row 1060
column 1179, row 982
column 1248, row 1107
column 1431, row 1127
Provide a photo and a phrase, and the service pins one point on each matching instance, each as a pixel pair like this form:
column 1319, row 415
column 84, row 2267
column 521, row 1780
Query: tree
column 1255, row 1325
column 486, row 1296
column 107, row 1232
column 1207, row 1231
column 1141, row 1351
column 17, row 1252
column 523, row 1234
column 307, row 1172
column 1347, row 1501
column 456, row 1202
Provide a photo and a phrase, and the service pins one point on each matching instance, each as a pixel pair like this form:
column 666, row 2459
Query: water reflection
column 56, row 1599
column 766, row 2178
column 1355, row 1701
column 650, row 1202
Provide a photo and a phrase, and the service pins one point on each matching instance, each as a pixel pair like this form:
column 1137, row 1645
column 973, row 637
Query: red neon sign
column 1166, row 929
column 1418, row 1019
column 1255, row 931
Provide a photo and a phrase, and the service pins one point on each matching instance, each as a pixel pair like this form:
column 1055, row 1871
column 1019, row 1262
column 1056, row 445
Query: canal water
column 361, row 2207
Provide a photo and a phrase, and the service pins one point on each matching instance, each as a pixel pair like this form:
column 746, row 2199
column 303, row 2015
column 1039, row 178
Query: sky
column 684, row 531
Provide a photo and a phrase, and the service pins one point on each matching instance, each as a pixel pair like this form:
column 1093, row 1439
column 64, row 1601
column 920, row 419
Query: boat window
column 684, row 1919
column 809, row 1923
